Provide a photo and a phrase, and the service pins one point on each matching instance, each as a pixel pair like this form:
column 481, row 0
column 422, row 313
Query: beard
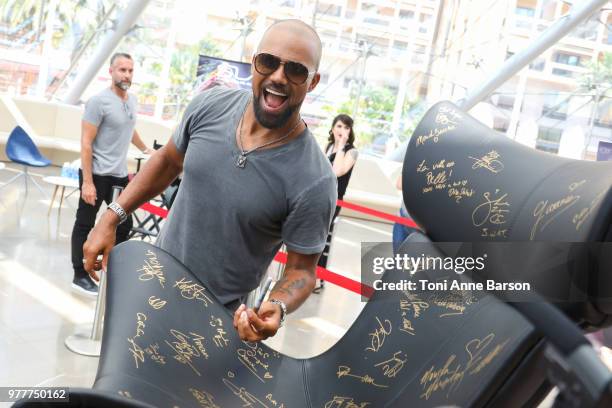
column 123, row 85
column 272, row 121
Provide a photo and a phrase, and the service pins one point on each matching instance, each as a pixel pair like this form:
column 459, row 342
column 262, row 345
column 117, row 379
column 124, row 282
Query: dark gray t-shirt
column 227, row 223
column 115, row 120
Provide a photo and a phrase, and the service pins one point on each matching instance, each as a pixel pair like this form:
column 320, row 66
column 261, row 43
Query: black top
column 342, row 180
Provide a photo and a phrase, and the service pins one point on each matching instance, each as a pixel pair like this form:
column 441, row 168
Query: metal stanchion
column 90, row 345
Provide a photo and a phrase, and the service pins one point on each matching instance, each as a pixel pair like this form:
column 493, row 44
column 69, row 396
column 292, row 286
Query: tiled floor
column 38, row 310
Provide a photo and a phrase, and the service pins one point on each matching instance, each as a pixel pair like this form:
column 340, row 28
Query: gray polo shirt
column 227, row 223
column 115, row 120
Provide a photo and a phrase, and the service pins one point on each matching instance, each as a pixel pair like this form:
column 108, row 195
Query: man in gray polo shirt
column 107, row 130
column 253, row 179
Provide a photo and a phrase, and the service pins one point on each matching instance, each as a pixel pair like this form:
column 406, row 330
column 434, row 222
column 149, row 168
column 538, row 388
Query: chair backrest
column 21, row 149
column 463, row 182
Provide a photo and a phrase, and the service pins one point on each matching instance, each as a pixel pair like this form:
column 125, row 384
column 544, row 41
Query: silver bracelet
column 117, row 209
column 283, row 307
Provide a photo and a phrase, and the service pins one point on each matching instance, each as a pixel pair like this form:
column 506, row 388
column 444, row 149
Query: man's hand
column 88, row 193
column 258, row 326
column 100, row 242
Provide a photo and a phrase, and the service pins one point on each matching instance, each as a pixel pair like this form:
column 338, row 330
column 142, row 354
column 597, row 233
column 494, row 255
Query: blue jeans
column 401, row 232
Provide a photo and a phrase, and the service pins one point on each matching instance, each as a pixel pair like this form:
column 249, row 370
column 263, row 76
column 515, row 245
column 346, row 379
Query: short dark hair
column 120, row 55
column 348, row 121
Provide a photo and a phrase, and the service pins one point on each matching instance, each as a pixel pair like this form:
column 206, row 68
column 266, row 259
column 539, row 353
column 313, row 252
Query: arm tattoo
column 287, row 286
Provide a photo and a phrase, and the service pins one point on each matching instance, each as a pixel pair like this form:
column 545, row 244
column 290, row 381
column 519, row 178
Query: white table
column 62, row 182
column 2, row 166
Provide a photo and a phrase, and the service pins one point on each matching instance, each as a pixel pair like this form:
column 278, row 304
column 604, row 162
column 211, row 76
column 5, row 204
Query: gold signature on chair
column 205, row 399
column 378, row 336
column 344, row 402
column 393, row 365
column 345, row 371
column 152, row 268
column 255, row 359
column 137, row 351
column 219, row 338
column 191, row 290
column 156, row 303
column 187, row 347
column 582, row 215
column 490, row 161
column 245, row 396
column 451, row 375
column 153, row 351
column 545, row 212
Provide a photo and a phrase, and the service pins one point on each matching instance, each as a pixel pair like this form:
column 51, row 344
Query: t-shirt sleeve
column 93, row 111
column 182, row 133
column 305, row 229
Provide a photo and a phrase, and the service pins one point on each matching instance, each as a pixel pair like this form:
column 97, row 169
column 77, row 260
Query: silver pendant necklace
column 242, row 157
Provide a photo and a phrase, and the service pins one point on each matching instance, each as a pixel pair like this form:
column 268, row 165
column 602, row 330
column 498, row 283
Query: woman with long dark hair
column 342, row 154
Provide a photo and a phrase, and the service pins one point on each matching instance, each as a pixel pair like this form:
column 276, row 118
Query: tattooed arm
column 293, row 289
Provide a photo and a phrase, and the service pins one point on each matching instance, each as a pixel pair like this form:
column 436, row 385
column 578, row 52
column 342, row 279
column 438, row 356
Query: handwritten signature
column 191, row 290
column 246, row 397
column 492, row 210
column 450, row 376
column 379, row 335
column 489, row 161
column 366, row 379
column 186, row 351
column 546, row 212
column 205, row 399
column 344, row 402
column 152, row 269
column 393, row 365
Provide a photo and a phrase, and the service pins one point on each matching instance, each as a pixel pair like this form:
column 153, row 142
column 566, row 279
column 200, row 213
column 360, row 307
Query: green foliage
column 599, row 74
column 375, row 114
column 183, row 69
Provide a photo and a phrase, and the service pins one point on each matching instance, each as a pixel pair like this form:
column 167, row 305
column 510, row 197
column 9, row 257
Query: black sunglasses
column 295, row 72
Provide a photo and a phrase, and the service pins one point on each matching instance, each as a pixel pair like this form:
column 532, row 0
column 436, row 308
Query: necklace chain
column 242, row 158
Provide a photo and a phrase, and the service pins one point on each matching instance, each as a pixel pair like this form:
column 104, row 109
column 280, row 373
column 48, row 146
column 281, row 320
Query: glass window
column 548, row 139
column 329, row 9
column 524, row 11
column 568, row 59
column 406, row 14
column 563, row 72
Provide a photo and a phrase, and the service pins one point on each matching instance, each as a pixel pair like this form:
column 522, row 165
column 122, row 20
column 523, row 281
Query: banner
column 213, row 71
column 604, row 151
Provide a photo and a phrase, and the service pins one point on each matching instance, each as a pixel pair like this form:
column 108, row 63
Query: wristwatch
column 283, row 307
column 117, row 209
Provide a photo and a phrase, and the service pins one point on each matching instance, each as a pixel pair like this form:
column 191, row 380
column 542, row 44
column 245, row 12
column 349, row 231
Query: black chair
column 150, row 225
column 167, row 341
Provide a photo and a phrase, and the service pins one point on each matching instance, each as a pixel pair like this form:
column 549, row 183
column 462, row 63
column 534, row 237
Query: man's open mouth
column 274, row 100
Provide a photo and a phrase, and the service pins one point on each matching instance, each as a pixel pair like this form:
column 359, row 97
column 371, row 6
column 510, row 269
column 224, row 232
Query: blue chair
column 21, row 149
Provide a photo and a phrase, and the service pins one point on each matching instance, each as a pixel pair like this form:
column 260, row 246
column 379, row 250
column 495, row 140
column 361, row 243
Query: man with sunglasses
column 107, row 130
column 253, row 178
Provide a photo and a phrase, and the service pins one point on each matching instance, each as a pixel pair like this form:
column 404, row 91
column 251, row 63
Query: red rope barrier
column 336, row 279
column 400, row 220
column 153, row 209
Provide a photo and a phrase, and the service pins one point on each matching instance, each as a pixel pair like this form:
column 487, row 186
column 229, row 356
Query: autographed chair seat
column 168, row 342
